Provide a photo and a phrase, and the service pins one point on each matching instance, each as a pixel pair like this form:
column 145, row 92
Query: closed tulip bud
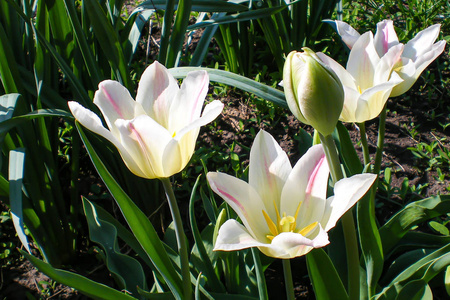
column 313, row 92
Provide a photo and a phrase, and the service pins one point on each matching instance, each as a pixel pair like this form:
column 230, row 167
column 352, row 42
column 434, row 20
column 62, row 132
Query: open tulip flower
column 285, row 210
column 418, row 53
column 368, row 80
column 156, row 134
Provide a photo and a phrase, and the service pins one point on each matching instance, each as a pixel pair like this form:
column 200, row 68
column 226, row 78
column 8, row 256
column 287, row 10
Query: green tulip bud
column 313, row 91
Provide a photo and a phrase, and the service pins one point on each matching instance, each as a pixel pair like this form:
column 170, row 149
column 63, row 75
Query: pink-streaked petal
column 346, row 78
column 385, row 37
column 348, row 34
column 187, row 105
column 363, row 60
column 145, row 140
column 243, row 199
column 346, row 193
column 422, row 42
column 115, row 102
column 307, row 184
column 156, row 84
column 268, row 170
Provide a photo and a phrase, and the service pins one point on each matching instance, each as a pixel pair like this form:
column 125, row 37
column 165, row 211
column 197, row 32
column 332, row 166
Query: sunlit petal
column 268, row 170
column 348, row 34
column 346, row 193
column 385, row 37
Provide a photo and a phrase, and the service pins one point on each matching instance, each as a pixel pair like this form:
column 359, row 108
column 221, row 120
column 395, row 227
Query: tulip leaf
column 370, row 241
column 16, row 169
column 139, row 224
column 410, row 283
column 414, row 213
column 347, row 151
column 86, row 286
column 200, row 5
column 127, row 271
column 208, row 270
column 239, row 17
column 324, row 277
column 241, row 82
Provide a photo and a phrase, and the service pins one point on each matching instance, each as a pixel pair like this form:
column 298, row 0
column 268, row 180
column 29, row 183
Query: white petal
column 411, row 70
column 363, row 60
column 422, row 42
column 115, row 102
column 269, row 168
column 233, row 236
column 386, row 64
column 146, row 141
column 348, row 113
column 372, row 101
column 307, row 183
column 187, row 105
column 348, row 34
column 385, row 37
column 346, row 193
column 294, row 244
column 243, row 199
column 156, row 84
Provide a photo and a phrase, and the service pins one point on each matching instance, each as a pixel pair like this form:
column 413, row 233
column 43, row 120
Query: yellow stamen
column 307, row 229
column 359, row 89
column 174, row 134
column 271, row 224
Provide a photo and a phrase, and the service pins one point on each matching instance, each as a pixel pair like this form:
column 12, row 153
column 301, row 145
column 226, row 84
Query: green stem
column 364, row 143
column 380, row 142
column 288, row 279
column 181, row 238
column 262, row 287
column 348, row 224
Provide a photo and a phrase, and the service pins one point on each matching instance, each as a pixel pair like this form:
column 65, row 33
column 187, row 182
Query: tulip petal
column 411, row 70
column 372, row 101
column 146, row 141
column 115, row 102
column 157, row 88
column 269, row 168
column 346, row 193
column 384, row 68
column 244, row 200
column 308, row 184
column 348, row 34
column 187, row 105
column 422, row 42
column 233, row 236
column 362, row 61
column 385, row 37
column 294, row 244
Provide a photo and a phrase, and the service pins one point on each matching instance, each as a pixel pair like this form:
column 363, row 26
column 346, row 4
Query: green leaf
column 109, row 42
column 86, row 286
column 199, row 5
column 16, row 168
column 127, row 270
column 439, row 228
column 208, row 270
column 241, row 82
column 324, row 277
column 140, row 225
column 239, row 17
column 347, row 151
column 414, row 213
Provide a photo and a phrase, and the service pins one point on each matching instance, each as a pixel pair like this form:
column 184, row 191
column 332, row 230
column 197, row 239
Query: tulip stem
column 288, row 279
column 348, row 224
column 364, row 143
column 380, row 141
column 181, row 238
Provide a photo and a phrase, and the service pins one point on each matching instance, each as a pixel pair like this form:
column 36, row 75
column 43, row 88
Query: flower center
column 287, row 223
